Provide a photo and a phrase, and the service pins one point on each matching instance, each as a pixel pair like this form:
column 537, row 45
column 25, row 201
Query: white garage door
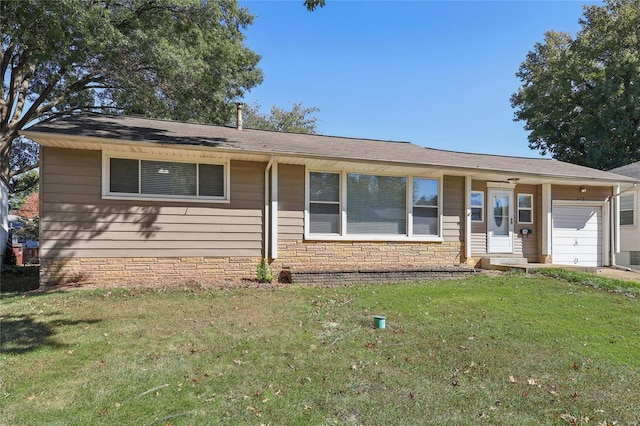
column 577, row 235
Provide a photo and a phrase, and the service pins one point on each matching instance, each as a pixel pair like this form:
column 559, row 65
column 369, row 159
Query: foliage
column 30, row 209
column 580, row 97
column 265, row 275
column 296, row 120
column 493, row 350
column 30, row 229
column 176, row 59
column 311, row 5
column 23, row 186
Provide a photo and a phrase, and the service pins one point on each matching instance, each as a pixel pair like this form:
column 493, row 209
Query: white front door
column 500, row 221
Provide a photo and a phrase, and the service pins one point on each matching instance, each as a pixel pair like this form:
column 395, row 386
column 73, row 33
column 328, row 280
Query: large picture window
column 142, row 178
column 376, row 204
column 359, row 206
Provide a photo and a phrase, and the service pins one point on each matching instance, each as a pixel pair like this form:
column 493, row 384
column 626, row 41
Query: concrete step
column 502, row 262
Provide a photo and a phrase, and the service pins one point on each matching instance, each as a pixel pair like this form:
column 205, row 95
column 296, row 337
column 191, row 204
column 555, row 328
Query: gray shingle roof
column 174, row 133
column 631, row 170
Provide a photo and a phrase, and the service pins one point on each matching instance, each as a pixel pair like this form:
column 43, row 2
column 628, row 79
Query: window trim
column 106, row 175
column 481, row 206
column 525, row 208
column 343, row 236
column 633, row 210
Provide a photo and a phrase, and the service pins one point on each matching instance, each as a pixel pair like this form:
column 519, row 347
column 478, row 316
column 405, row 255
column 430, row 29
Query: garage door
column 577, row 235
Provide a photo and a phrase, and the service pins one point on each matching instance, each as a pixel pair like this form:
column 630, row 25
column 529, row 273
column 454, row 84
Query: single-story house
column 132, row 199
column 628, row 253
column 4, row 215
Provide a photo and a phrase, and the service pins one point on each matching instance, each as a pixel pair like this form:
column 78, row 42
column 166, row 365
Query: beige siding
column 453, row 208
column 528, row 245
column 479, row 229
column 290, row 202
column 572, row 193
column 77, row 222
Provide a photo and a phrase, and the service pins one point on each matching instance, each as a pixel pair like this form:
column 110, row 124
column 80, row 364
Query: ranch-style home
column 130, row 199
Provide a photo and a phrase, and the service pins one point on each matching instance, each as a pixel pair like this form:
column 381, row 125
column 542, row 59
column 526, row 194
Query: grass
column 524, row 350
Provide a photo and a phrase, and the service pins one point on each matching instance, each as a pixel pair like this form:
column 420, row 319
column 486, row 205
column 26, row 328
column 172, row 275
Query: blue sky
column 435, row 73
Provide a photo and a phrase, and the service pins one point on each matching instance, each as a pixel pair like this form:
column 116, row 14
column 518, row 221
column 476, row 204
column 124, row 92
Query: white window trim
column 634, row 209
column 472, row 206
column 524, row 208
column 343, row 236
column 106, row 175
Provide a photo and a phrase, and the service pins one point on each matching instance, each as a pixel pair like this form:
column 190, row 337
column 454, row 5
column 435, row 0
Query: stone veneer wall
column 341, row 255
column 363, row 261
column 214, row 271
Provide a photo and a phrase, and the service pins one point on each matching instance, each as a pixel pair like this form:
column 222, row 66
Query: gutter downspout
column 267, row 204
column 274, row 211
column 467, row 222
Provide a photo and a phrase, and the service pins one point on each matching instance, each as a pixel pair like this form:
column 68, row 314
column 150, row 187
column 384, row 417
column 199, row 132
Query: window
column 324, row 203
column 159, row 179
column 627, row 204
column 363, row 206
column 376, row 204
column 477, row 206
column 425, row 207
column 525, row 208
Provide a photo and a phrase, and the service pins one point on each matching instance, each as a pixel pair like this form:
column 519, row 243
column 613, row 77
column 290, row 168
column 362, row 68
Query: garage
column 577, row 235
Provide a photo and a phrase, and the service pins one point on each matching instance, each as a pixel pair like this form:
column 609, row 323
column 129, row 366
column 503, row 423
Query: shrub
column 264, row 272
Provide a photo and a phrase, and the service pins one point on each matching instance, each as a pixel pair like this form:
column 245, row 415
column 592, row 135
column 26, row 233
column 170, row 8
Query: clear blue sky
column 435, row 73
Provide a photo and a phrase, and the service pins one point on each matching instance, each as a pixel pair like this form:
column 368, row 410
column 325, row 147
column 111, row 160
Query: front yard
column 489, row 350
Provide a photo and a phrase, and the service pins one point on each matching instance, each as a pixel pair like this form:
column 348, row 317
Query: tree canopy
column 175, row 59
column 298, row 119
column 580, row 96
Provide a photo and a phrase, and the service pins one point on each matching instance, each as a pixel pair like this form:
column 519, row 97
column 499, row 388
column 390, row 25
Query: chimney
column 239, row 116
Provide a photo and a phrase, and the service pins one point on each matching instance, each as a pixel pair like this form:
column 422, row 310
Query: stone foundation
column 301, row 262
column 353, row 255
column 148, row 271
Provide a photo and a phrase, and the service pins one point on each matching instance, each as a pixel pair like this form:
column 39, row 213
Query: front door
column 500, row 221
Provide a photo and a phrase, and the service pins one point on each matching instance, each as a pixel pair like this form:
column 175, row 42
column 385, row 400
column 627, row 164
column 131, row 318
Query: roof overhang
column 187, row 151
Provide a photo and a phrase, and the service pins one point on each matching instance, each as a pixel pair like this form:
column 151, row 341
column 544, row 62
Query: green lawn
column 510, row 350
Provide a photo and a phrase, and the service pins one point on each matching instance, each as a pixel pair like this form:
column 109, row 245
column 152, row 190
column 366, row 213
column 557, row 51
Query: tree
column 29, row 215
column 580, row 97
column 30, row 209
column 176, row 59
column 296, row 120
column 23, row 186
column 311, row 5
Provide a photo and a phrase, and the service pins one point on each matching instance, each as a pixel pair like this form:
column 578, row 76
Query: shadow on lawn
column 22, row 333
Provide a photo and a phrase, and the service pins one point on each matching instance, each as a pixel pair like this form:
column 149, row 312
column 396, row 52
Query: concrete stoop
column 507, row 263
column 503, row 263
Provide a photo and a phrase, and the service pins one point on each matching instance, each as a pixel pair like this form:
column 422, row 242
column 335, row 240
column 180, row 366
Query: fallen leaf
column 512, row 379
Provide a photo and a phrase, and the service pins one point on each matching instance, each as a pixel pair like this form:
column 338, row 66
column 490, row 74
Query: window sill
column 380, row 238
column 166, row 199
